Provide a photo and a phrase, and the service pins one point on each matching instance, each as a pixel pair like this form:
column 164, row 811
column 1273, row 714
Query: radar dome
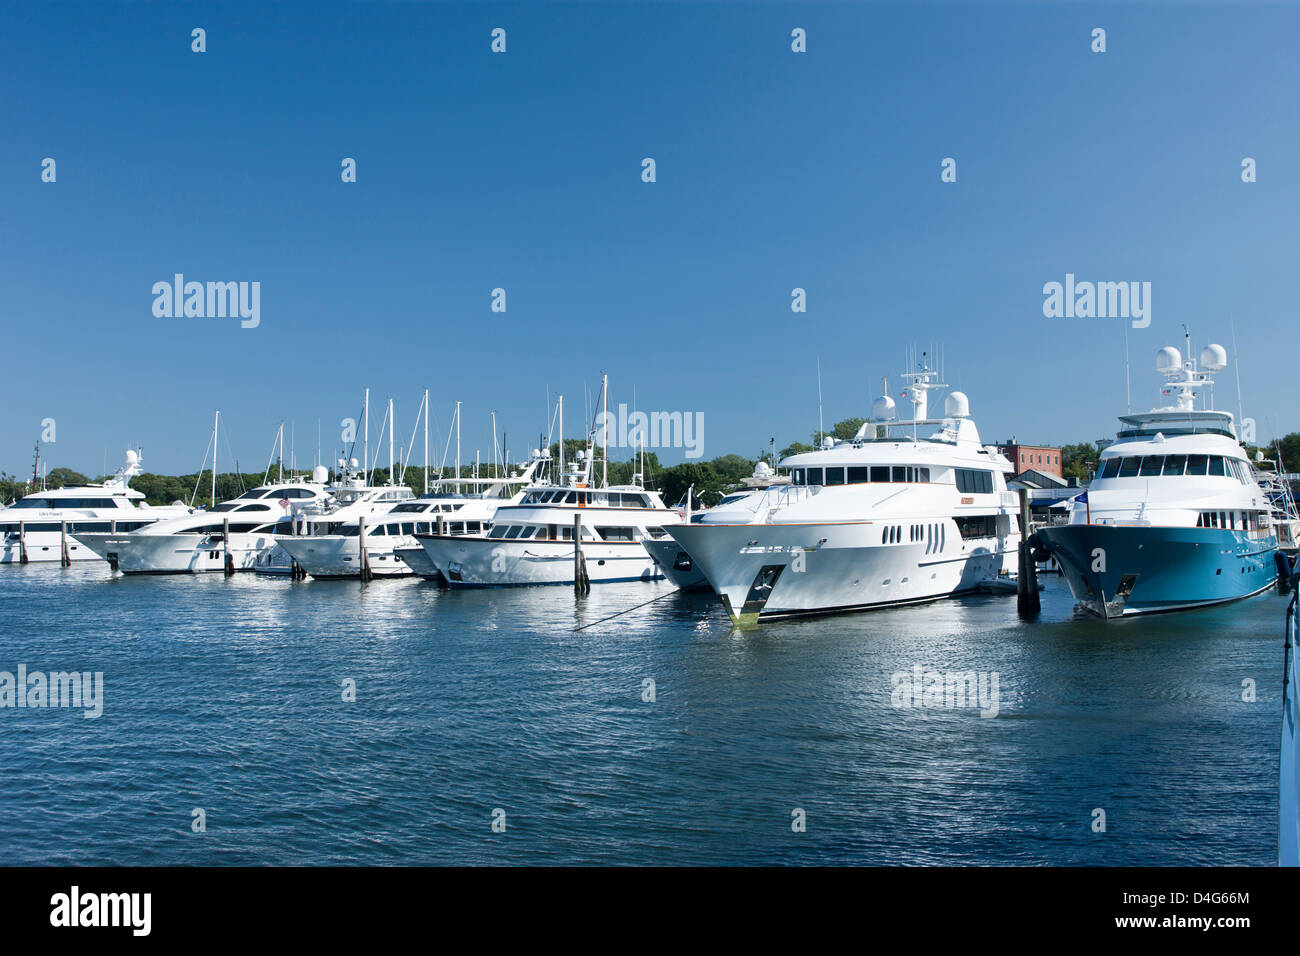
column 1169, row 360
column 354, row 463
column 131, row 457
column 320, row 474
column 882, row 409
column 957, row 405
column 762, row 470
column 1214, row 358
column 828, row 441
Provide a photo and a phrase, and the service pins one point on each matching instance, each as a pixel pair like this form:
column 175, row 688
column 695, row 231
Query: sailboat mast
column 426, row 441
column 365, row 420
column 604, row 431
column 1236, row 370
column 458, row 448
column 392, row 430
column 216, row 423
column 561, row 439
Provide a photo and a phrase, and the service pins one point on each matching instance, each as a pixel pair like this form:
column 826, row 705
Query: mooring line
column 612, row 616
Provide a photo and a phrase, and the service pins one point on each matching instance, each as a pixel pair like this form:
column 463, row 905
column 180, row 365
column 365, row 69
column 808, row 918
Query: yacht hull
column 177, row 553
column 339, row 556
column 418, row 561
column 1123, row 570
column 495, row 562
column 769, row 571
column 44, row 547
column 676, row 564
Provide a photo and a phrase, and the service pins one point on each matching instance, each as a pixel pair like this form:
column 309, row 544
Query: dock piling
column 1028, row 604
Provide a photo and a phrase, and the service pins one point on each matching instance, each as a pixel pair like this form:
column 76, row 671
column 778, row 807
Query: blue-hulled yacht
column 1175, row 517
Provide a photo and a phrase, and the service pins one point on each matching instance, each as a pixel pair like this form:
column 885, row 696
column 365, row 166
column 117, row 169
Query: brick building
column 1023, row 458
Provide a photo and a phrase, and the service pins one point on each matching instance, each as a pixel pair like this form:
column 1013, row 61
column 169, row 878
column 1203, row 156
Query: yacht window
column 1109, row 468
column 571, row 498
column 834, row 476
column 923, row 474
column 498, row 531
column 618, row 534
column 1129, row 466
column 1151, row 465
column 976, row 526
column 513, row 532
column 1197, row 464
column 1174, row 464
column 566, row 533
column 900, row 473
column 859, row 474
column 1216, row 465
column 814, row 476
column 970, row 481
column 796, row 476
column 879, row 473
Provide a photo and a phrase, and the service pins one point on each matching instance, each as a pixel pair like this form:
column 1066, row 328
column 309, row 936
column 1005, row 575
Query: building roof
column 1033, row 478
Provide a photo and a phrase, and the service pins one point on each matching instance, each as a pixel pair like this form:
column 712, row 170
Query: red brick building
column 1038, row 457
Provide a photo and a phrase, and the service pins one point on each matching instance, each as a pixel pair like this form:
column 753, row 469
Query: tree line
column 711, row 479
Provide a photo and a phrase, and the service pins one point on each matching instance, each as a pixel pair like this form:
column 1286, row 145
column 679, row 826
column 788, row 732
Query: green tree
column 709, row 485
column 64, row 478
column 1079, row 461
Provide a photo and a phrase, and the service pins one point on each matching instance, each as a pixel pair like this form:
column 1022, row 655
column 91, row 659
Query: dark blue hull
column 1117, row 571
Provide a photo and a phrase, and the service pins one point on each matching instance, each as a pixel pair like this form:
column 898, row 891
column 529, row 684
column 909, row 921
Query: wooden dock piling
column 1028, row 604
column 581, row 580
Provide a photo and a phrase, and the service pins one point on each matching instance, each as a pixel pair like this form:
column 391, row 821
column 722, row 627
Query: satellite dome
column 320, row 474
column 762, row 470
column 131, row 457
column 1169, row 360
column 828, row 441
column 883, row 409
column 1214, row 358
column 354, row 463
column 957, row 405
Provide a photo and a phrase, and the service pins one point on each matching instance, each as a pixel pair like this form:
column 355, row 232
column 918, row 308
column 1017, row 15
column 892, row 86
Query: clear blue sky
column 523, row 171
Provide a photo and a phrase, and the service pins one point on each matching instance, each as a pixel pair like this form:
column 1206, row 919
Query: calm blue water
column 226, row 695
